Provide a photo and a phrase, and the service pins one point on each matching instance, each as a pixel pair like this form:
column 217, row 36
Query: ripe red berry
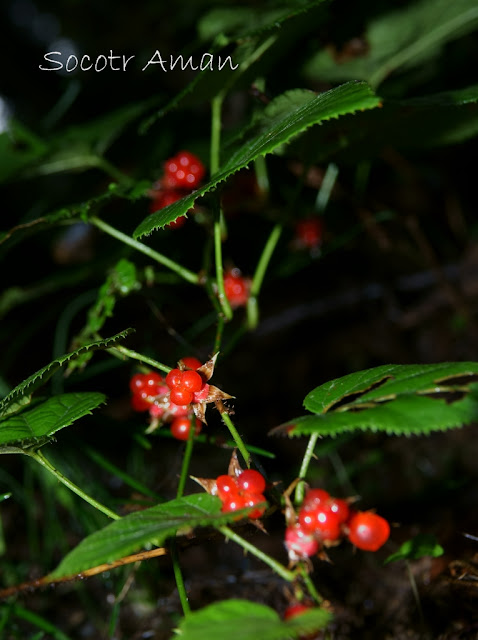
column 173, row 379
column 180, row 428
column 252, row 499
column 191, row 362
column 184, row 171
column 202, row 394
column 233, row 503
column 295, row 610
column 191, row 381
column 251, row 481
column 140, row 401
column 137, row 382
column 368, row 531
column 314, row 497
column 236, row 288
column 341, row 508
column 180, row 396
column 226, row 487
column 321, row 521
column 299, row 543
column 309, row 233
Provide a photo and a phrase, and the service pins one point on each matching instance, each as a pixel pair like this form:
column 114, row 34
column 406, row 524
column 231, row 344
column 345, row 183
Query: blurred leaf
column 422, row 545
column 44, row 418
column 135, row 530
column 22, row 392
column 397, row 399
column 399, row 39
column 243, row 620
column 331, row 104
column 19, row 148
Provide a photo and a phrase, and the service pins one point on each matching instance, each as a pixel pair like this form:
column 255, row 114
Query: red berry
column 233, row 503
column 140, row 402
column 314, row 497
column 309, row 233
column 295, row 610
column 341, row 508
column 191, row 381
column 184, row 170
column 299, row 543
column 173, row 379
column 226, row 487
column 236, row 288
column 191, row 363
column 180, row 428
column 251, row 481
column 321, row 521
column 368, row 531
column 164, row 198
column 180, row 396
column 200, row 396
column 137, row 382
column 251, row 501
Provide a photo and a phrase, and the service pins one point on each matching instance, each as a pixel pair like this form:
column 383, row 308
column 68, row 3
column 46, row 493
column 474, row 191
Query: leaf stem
column 252, row 309
column 134, row 355
column 40, row 458
column 309, row 452
column 178, row 576
column 273, row 564
column 237, row 438
column 223, row 301
column 188, row 275
column 186, row 458
column 325, row 191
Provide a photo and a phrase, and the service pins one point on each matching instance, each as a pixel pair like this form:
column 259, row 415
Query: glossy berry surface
column 181, row 396
column 183, row 171
column 180, row 428
column 314, row 497
column 299, row 543
column 321, row 521
column 368, row 530
column 251, row 481
column 191, row 362
column 226, row 487
column 236, row 288
column 295, row 610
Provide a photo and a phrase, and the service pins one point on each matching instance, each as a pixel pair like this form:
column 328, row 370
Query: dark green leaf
column 153, row 525
column 421, row 545
column 20, row 394
column 331, row 104
column 243, row 620
column 400, row 39
column 44, row 418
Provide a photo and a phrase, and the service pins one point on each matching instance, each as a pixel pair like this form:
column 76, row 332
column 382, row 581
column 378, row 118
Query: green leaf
column 243, row 620
column 153, row 525
column 42, row 419
column 19, row 148
column 400, row 39
column 21, row 393
column 396, row 399
column 423, row 544
column 348, row 98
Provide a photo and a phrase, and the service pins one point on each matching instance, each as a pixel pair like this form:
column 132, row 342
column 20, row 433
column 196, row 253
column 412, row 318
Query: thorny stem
column 40, row 458
column 237, row 438
column 120, row 351
column 188, row 275
column 309, row 452
column 284, row 573
column 252, row 310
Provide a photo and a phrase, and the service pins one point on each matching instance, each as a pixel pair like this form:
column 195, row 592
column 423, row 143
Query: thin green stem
column 262, row 176
column 309, row 452
column 188, row 275
column 120, row 352
column 216, row 109
column 237, row 438
column 178, row 576
column 40, row 458
column 223, row 301
column 219, row 332
column 279, row 568
column 252, row 308
column 310, row 585
column 186, row 458
column 326, row 187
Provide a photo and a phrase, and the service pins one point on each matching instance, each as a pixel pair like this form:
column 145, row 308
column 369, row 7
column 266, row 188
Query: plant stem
column 326, row 187
column 40, row 458
column 186, row 458
column 216, row 108
column 273, row 564
column 310, row 585
column 237, row 438
column 252, row 309
column 223, row 301
column 219, row 332
column 178, row 576
column 188, row 275
column 134, row 355
column 309, row 452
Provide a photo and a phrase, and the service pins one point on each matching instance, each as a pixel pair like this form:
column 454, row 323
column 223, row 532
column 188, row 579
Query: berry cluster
column 242, row 491
column 324, row 520
column 236, row 288
column 151, row 392
column 182, row 174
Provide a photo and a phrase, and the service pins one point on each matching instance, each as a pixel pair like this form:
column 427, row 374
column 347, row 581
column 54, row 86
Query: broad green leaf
column 421, row 545
column 44, row 418
column 243, row 620
column 400, row 39
column 390, row 381
column 20, row 394
column 347, row 98
column 153, row 525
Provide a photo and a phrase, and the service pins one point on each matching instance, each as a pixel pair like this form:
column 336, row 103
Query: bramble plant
column 152, row 289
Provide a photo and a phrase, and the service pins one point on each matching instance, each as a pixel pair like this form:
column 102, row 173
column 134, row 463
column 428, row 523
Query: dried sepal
column 234, row 469
column 208, row 484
